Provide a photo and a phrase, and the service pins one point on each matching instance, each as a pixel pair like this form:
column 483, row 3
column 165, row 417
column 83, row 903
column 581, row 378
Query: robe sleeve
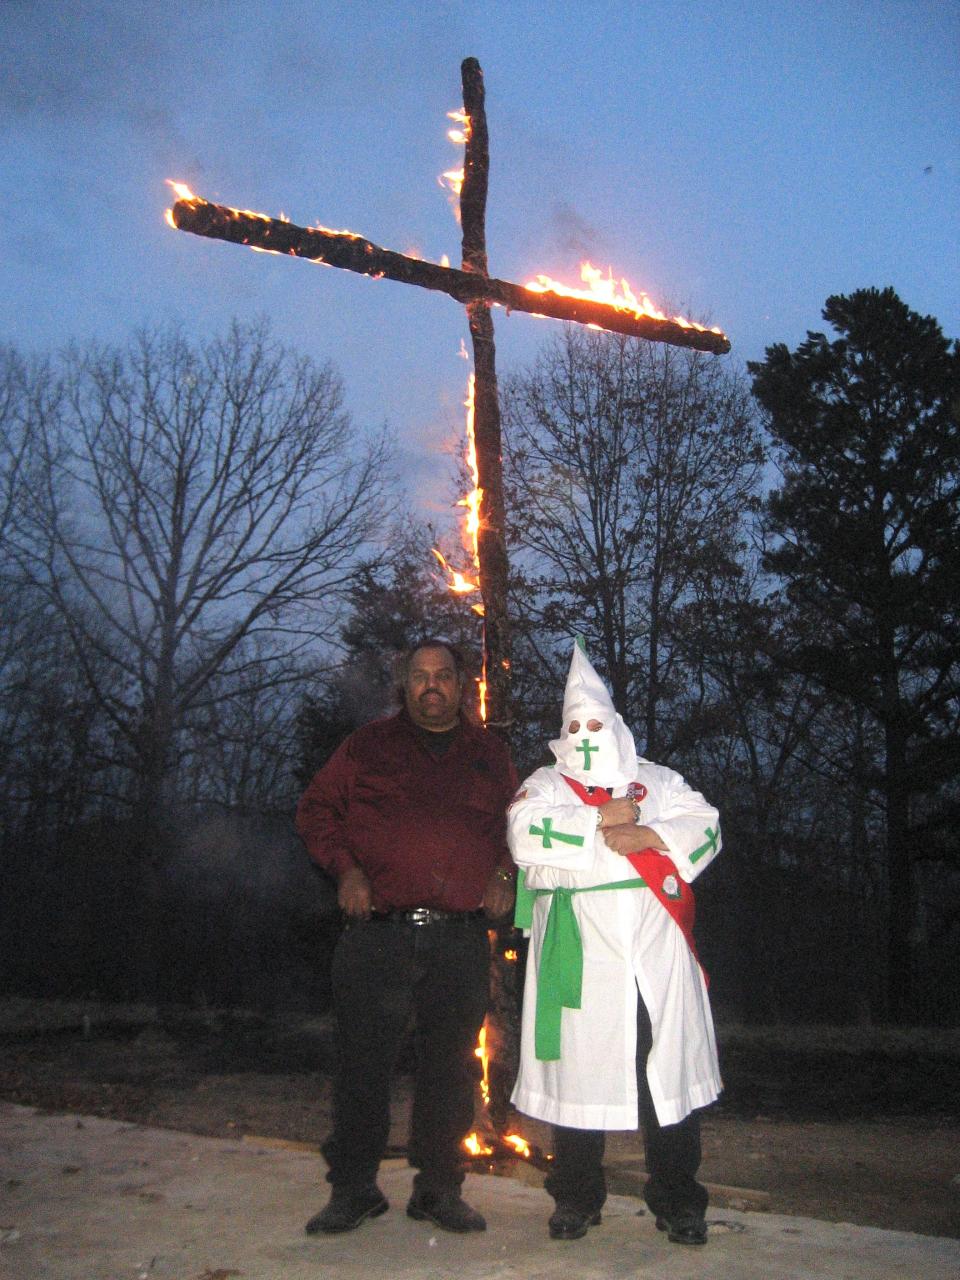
column 544, row 831
column 686, row 823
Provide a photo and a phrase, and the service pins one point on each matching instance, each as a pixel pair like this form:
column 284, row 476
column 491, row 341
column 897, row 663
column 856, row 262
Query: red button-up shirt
column 427, row 830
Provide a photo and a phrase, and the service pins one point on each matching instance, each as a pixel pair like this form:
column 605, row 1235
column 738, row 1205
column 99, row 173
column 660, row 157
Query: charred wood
column 491, row 537
column 354, row 253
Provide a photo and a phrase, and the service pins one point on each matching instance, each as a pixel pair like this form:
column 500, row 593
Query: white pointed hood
column 606, row 758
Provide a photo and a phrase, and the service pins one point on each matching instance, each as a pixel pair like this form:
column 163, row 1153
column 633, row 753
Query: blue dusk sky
column 738, row 161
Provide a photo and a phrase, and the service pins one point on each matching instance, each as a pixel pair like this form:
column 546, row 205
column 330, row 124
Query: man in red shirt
column 408, row 815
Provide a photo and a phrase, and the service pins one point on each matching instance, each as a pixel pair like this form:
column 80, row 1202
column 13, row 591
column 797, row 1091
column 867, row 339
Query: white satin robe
column 629, row 942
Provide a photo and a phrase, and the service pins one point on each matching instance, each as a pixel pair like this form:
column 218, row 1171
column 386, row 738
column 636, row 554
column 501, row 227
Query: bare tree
column 200, row 507
column 47, row 723
column 632, row 469
column 244, row 753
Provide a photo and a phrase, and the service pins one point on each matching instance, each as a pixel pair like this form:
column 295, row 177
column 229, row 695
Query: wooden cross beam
column 478, row 292
column 354, row 253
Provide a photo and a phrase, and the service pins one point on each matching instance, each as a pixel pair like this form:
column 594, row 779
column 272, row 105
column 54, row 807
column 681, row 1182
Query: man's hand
column 353, row 894
column 627, row 837
column 617, row 812
column 498, row 896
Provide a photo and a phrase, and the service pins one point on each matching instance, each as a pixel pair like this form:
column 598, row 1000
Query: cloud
column 161, row 78
column 65, row 62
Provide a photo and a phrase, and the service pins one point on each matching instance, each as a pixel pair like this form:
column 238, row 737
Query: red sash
column 654, row 867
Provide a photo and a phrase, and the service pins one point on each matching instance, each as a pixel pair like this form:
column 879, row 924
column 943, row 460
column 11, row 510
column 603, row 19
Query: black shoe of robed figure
column 346, row 1210
column 446, row 1210
column 567, row 1223
column 684, row 1229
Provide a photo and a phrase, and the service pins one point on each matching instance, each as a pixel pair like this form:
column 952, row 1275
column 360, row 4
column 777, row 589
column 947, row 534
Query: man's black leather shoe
column 684, row 1229
column 567, row 1223
column 447, row 1211
column 346, row 1210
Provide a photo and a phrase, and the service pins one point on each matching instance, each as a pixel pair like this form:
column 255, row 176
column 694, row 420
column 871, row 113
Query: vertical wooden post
column 503, row 1027
column 491, row 541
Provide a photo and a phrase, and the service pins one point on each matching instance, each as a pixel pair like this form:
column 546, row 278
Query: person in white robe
column 617, row 1031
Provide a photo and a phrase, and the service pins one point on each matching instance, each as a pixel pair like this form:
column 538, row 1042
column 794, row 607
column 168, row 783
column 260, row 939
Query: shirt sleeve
column 322, row 812
column 543, row 831
column 687, row 824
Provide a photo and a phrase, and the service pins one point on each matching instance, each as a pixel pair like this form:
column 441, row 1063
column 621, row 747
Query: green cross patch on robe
column 549, row 835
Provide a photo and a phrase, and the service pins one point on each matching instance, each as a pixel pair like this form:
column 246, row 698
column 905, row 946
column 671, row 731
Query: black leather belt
column 425, row 915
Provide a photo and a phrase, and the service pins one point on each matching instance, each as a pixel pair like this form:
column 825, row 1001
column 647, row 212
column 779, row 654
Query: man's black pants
column 386, row 974
column 672, row 1154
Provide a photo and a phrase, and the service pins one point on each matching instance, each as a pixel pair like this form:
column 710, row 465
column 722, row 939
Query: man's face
column 432, row 692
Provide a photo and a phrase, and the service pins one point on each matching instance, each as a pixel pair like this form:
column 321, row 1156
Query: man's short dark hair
column 402, row 666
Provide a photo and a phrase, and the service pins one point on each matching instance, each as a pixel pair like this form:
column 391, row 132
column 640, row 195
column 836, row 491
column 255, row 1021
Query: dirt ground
column 830, row 1124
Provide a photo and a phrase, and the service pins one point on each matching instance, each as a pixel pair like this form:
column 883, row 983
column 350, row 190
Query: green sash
column 560, row 976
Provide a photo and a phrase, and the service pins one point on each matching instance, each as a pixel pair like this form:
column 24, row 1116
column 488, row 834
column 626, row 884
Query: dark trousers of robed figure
column 672, row 1154
column 385, row 975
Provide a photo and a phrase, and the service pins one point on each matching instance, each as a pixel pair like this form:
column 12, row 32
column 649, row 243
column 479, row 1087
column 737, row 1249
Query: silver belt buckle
column 420, row 915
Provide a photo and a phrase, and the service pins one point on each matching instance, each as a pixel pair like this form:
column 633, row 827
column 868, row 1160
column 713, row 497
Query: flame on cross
column 463, row 582
column 452, row 179
column 615, row 293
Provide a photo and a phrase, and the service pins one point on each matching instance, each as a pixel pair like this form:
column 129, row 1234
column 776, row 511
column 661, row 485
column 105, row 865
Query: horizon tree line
column 199, row 602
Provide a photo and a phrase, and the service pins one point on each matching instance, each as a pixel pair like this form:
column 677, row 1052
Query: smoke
column 573, row 237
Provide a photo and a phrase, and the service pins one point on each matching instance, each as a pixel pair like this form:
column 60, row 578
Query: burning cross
column 587, row 750
column 549, row 835
column 478, row 292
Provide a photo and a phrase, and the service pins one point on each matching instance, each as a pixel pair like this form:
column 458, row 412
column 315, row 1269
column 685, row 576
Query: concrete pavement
column 83, row 1198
